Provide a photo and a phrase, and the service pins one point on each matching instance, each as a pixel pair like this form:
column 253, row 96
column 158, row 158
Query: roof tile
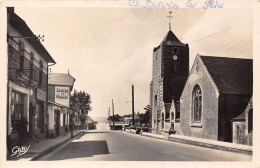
column 231, row 75
column 61, row 79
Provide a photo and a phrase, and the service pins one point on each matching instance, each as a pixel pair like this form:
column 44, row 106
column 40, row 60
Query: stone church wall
column 208, row 128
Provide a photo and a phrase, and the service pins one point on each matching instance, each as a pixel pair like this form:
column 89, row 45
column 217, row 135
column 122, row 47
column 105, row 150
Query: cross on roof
column 170, row 12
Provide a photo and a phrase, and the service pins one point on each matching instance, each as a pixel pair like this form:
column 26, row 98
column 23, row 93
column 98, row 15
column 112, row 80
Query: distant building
column 59, row 93
column 27, row 82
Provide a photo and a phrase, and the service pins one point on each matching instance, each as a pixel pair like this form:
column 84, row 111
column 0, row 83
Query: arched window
column 162, row 120
column 155, row 100
column 196, row 104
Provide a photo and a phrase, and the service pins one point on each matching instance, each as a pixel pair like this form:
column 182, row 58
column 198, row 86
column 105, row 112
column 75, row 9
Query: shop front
column 18, row 116
column 40, row 114
column 57, row 119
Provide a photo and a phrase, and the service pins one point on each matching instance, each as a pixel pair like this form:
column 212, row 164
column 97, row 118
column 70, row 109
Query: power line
column 242, row 49
column 230, row 48
column 211, row 35
column 203, row 28
column 221, row 47
column 245, row 50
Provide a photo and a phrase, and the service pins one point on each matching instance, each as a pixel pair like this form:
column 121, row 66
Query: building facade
column 59, row 93
column 27, row 82
column 170, row 71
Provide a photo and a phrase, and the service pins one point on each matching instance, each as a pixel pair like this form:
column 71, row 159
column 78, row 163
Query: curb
column 144, row 134
column 201, row 144
column 212, row 146
column 55, row 146
column 156, row 137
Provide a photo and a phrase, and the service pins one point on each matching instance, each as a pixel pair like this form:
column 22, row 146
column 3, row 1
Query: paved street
column 105, row 145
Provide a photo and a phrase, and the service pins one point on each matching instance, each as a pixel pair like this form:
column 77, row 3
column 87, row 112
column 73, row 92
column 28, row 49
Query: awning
column 56, row 104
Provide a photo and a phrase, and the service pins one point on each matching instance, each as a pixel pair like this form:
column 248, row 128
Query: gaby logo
column 20, row 150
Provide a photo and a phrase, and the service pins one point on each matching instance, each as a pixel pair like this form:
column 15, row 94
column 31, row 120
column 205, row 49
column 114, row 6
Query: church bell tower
column 170, row 72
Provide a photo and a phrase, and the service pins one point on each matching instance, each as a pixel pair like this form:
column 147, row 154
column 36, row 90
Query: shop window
column 17, row 109
column 40, row 73
column 34, row 70
column 196, row 104
column 24, row 60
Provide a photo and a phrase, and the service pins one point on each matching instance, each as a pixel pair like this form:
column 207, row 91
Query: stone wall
column 208, row 127
column 239, row 136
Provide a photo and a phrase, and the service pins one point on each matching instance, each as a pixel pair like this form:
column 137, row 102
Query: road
column 105, row 145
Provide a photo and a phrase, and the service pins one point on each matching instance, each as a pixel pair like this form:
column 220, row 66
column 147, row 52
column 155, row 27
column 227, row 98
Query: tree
column 115, row 118
column 80, row 103
column 145, row 118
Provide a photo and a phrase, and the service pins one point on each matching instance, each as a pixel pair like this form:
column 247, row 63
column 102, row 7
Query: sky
column 107, row 50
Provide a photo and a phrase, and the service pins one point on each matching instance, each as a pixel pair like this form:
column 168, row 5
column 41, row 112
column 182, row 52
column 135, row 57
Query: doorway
column 57, row 121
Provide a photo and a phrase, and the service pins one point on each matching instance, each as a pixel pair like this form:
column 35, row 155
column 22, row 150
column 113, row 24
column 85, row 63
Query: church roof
column 231, row 75
column 170, row 39
column 61, row 79
column 170, row 36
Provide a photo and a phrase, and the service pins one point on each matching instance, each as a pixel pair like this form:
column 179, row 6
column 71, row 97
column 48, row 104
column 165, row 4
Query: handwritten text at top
column 175, row 5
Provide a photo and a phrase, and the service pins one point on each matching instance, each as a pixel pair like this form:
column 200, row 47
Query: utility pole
column 113, row 114
column 109, row 116
column 133, row 106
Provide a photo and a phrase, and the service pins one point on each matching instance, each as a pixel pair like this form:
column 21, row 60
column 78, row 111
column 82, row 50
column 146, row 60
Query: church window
column 196, row 104
column 155, row 100
column 175, row 50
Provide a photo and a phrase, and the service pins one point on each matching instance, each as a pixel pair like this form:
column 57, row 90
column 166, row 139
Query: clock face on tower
column 175, row 57
column 174, row 54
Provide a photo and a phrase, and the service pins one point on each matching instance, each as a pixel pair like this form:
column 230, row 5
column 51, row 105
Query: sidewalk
column 219, row 145
column 44, row 146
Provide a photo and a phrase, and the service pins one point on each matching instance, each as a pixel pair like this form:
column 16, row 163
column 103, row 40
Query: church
column 209, row 101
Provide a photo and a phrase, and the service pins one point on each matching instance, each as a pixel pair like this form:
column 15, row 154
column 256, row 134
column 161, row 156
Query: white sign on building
column 62, row 95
